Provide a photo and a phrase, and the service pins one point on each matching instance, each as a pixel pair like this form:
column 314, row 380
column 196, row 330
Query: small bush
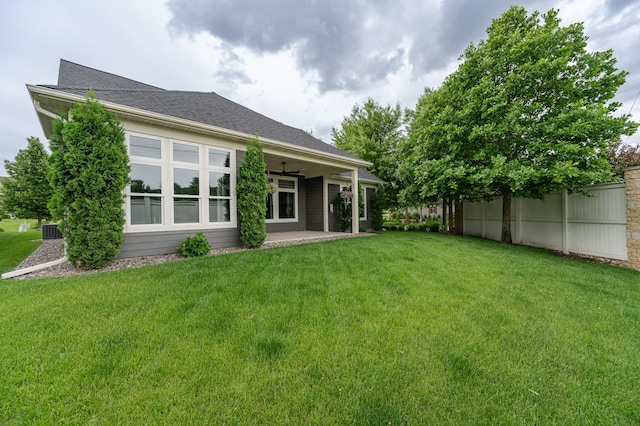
column 198, row 245
column 434, row 226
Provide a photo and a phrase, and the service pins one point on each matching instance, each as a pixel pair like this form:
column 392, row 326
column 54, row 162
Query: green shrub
column 89, row 171
column 252, row 192
column 434, row 225
column 198, row 245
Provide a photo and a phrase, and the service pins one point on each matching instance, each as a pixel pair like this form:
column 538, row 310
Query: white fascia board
column 189, row 125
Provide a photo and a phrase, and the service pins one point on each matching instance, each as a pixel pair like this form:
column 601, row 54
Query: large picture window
column 179, row 184
column 282, row 200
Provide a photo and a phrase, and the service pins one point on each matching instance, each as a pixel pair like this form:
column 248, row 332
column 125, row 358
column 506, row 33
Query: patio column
column 355, row 202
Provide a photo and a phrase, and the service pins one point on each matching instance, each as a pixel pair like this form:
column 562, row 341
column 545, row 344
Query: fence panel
column 594, row 226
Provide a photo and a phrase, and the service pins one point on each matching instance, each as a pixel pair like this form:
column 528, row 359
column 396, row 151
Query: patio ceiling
column 308, row 169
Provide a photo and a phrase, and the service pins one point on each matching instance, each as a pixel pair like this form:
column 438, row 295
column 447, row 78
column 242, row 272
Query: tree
column 622, row 156
column 252, row 193
column 90, row 169
column 527, row 112
column 27, row 190
column 374, row 133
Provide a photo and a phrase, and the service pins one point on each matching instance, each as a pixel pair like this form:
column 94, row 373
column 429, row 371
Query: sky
column 305, row 63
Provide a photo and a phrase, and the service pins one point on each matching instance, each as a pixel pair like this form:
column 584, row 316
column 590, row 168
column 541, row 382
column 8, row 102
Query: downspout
column 38, row 107
column 34, row 268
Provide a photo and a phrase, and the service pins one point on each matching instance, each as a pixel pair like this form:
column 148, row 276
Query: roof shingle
column 206, row 108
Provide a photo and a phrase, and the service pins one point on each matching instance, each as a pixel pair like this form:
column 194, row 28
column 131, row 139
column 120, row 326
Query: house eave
column 139, row 115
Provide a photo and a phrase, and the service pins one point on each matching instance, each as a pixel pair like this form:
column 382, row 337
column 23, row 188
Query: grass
column 399, row 328
column 16, row 246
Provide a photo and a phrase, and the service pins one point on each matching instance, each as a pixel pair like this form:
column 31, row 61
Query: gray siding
column 301, row 224
column 367, row 224
column 315, row 212
column 163, row 242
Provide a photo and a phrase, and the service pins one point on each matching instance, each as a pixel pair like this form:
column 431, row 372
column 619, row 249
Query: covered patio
column 299, row 237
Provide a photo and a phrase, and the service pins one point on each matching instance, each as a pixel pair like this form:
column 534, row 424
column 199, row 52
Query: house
column 185, row 149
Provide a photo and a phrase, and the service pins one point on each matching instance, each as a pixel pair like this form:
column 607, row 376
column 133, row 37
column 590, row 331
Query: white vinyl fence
column 595, row 226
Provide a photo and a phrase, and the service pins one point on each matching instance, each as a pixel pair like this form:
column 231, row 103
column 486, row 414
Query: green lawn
column 16, row 246
column 398, row 328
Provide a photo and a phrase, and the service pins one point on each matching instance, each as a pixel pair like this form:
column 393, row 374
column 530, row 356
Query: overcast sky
column 302, row 62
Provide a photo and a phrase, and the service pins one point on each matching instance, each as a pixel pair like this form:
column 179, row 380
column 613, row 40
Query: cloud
column 344, row 45
column 231, row 69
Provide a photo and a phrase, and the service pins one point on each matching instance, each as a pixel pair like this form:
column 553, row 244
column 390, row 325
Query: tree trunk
column 505, row 238
column 459, row 216
column 444, row 213
column 452, row 224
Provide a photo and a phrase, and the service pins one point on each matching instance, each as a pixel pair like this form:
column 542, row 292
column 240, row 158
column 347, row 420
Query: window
column 219, row 172
column 145, row 209
column 186, row 200
column 179, row 184
column 282, row 200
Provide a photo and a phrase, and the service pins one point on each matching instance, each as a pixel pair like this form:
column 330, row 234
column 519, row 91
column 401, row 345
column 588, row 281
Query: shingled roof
column 205, row 108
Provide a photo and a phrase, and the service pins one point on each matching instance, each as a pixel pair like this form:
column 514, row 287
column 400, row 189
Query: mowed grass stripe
column 400, row 328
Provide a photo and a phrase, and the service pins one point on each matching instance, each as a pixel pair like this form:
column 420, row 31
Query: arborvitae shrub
column 89, row 171
column 252, row 193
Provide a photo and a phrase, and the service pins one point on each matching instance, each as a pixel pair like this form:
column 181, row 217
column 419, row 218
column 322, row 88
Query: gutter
column 189, row 125
column 34, row 268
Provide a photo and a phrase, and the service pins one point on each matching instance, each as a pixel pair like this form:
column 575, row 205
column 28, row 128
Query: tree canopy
column 527, row 112
column 27, row 190
column 374, row 133
column 622, row 156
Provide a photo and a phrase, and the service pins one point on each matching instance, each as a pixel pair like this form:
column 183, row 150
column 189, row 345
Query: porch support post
column 325, row 204
column 355, row 202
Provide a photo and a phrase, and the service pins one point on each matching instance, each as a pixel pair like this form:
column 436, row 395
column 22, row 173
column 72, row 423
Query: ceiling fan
column 284, row 172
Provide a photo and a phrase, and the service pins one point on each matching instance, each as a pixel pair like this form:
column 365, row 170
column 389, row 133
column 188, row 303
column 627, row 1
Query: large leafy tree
column 27, row 190
column 90, row 169
column 528, row 111
column 252, row 192
column 374, row 132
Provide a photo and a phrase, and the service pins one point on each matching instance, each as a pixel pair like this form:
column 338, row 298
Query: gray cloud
column 231, row 70
column 616, row 6
column 330, row 39
column 347, row 45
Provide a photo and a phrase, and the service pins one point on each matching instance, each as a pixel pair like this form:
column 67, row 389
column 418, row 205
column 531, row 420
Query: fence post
column 632, row 183
column 565, row 221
